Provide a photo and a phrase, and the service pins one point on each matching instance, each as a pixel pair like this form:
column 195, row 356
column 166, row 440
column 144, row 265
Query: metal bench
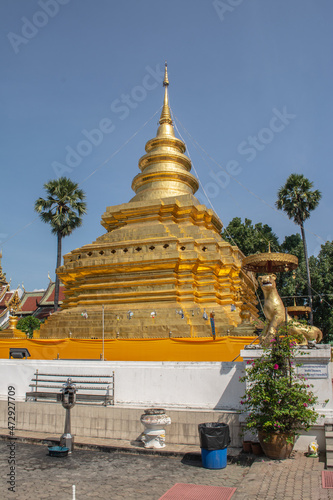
column 90, row 388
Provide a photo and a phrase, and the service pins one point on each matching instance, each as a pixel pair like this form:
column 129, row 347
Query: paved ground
column 298, row 478
column 102, row 475
column 119, row 475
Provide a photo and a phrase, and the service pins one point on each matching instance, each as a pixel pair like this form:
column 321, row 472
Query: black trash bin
column 214, row 439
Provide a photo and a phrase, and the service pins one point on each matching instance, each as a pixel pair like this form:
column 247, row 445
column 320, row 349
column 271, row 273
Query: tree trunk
column 307, row 273
column 56, row 287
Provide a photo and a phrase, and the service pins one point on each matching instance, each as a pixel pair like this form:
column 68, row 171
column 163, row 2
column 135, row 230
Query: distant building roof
column 29, row 302
column 45, row 305
column 48, row 297
column 6, row 298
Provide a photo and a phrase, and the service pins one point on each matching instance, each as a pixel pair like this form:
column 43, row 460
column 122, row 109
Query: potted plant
column 278, row 402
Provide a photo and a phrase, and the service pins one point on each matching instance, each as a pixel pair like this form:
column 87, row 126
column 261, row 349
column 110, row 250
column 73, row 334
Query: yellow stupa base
column 12, row 333
column 196, row 350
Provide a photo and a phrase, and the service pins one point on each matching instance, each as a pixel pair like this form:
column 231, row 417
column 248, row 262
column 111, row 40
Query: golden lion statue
column 276, row 316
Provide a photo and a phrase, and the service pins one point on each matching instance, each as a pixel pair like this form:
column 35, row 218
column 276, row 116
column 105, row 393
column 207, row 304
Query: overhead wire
column 120, row 148
column 240, row 183
column 209, row 201
column 196, row 173
column 195, row 143
column 90, row 175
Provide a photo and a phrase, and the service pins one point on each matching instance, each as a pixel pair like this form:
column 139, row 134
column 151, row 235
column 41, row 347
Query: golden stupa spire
column 166, row 115
column 165, row 169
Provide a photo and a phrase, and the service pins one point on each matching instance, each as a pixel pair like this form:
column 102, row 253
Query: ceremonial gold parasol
column 296, row 311
column 270, row 262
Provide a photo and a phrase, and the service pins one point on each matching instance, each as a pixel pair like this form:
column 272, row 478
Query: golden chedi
column 162, row 268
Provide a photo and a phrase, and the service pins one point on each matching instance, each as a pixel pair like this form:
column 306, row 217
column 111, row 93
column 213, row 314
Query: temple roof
column 3, row 280
column 40, row 303
column 29, row 301
column 165, row 169
column 48, row 296
column 6, row 298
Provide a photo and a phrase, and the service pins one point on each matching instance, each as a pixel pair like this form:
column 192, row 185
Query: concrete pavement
column 101, row 469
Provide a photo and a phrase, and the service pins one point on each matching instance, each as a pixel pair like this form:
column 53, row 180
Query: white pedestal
column 155, row 421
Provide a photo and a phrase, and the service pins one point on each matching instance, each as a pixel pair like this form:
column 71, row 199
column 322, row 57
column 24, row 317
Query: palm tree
column 62, row 209
column 297, row 200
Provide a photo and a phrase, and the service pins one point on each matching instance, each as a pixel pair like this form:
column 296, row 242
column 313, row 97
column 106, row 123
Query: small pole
column 103, row 332
column 73, row 490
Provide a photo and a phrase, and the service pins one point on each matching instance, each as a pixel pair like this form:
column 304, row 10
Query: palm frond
column 63, row 206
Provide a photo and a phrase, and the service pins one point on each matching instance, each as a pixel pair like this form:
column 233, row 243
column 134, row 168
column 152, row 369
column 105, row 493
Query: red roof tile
column 48, row 297
column 5, row 299
column 29, row 302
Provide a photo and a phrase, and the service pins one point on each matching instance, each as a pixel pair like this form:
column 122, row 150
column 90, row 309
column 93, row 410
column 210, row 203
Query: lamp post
column 68, row 400
column 103, row 333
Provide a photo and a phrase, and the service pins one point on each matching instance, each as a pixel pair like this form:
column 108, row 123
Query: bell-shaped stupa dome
column 165, row 169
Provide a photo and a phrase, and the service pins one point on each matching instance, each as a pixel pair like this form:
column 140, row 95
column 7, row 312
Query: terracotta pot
column 275, row 444
column 247, row 446
column 256, row 448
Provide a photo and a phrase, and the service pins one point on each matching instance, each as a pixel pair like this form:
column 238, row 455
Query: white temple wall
column 191, row 393
column 206, row 385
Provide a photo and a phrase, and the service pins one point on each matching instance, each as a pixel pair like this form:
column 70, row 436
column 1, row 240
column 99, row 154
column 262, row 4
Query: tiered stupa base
column 159, row 272
column 168, row 323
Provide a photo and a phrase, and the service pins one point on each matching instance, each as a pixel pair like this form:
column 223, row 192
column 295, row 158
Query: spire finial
column 166, row 115
column 166, row 79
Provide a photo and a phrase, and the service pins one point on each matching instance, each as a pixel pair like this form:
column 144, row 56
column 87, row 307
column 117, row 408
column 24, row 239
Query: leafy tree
column 322, row 280
column 293, row 244
column 297, row 199
column 28, row 325
column 293, row 283
column 254, row 238
column 250, row 238
column 62, row 208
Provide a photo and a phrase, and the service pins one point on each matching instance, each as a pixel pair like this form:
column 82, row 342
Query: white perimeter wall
column 166, row 384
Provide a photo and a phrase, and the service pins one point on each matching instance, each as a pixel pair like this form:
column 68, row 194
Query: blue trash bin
column 214, row 459
column 214, row 440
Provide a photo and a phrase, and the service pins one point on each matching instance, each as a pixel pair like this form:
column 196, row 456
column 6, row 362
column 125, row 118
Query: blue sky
column 251, row 82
